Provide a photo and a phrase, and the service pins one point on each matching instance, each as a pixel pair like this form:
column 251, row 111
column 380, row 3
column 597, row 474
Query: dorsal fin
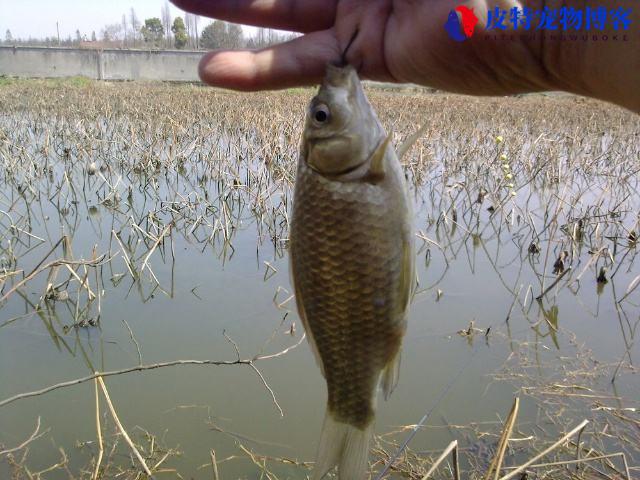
column 408, row 143
column 378, row 165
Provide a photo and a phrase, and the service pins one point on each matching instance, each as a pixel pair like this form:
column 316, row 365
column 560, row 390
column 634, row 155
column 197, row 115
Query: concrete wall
column 158, row 65
column 107, row 64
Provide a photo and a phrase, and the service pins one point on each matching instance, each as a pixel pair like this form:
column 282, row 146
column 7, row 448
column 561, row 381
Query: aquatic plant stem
column 123, row 432
column 98, row 432
column 452, row 447
column 584, row 460
column 34, row 436
column 555, row 282
column 214, row 464
column 49, row 265
column 545, row 452
column 496, row 463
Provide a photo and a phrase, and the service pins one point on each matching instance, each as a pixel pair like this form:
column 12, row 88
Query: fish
column 454, row 28
column 352, row 263
column 469, row 20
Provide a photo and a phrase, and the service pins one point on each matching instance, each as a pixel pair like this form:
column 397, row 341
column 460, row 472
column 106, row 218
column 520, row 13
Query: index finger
column 299, row 62
column 293, row 15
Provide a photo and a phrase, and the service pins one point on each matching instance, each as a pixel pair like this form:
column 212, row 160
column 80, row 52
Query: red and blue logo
column 462, row 21
column 461, row 28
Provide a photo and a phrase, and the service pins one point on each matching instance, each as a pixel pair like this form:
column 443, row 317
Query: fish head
column 341, row 128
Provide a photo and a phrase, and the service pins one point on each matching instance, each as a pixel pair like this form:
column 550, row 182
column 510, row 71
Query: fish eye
column 320, row 114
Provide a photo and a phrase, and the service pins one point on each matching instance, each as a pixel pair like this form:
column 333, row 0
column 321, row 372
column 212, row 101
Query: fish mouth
column 339, row 76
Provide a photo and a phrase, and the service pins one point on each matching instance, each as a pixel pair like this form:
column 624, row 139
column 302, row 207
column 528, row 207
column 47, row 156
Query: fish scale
column 345, row 281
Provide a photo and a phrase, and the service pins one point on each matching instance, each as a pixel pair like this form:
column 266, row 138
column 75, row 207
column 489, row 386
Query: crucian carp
column 352, row 263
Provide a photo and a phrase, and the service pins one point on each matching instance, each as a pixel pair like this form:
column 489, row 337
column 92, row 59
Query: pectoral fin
column 408, row 143
column 378, row 163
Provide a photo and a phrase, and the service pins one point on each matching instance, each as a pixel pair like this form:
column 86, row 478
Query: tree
column 265, row 37
column 191, row 22
column 78, row 37
column 153, row 31
column 93, row 36
column 220, row 33
column 207, row 38
column 234, row 36
column 196, row 37
column 135, row 25
column 179, row 33
column 166, row 21
column 8, row 37
column 112, row 32
column 215, row 35
column 124, row 28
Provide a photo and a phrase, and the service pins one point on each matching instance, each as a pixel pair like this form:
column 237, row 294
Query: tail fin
column 343, row 445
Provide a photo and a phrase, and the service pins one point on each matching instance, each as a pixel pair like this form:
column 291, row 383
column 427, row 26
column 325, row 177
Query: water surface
column 204, row 208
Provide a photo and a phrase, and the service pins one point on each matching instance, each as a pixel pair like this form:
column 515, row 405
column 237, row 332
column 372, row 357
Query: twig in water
column 138, row 368
column 141, row 368
column 266, row 385
column 583, row 460
column 214, row 465
column 452, row 448
column 99, row 433
column 548, row 450
column 632, row 286
column 155, row 245
column 123, row 432
column 49, row 265
column 34, row 436
column 496, row 463
column 133, row 339
column 127, row 261
column 555, row 282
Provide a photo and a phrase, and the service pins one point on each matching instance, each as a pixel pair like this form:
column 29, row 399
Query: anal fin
column 390, row 376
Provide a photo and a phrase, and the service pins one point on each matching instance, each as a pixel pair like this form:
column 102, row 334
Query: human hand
column 405, row 41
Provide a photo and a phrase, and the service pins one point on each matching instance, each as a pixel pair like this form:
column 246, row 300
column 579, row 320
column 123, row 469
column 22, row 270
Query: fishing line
column 343, row 57
column 427, row 415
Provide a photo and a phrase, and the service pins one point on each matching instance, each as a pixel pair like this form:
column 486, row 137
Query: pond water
column 191, row 257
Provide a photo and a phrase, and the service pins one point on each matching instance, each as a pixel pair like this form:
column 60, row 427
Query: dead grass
column 548, row 183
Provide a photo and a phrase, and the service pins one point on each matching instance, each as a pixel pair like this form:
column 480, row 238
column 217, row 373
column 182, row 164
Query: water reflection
column 178, row 250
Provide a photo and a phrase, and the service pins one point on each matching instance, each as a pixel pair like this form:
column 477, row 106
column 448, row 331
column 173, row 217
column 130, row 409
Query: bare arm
column 405, row 41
